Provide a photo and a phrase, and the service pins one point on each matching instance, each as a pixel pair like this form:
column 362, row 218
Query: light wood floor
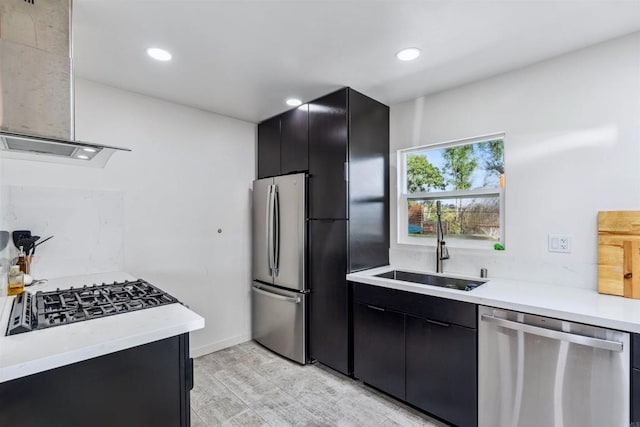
column 247, row 385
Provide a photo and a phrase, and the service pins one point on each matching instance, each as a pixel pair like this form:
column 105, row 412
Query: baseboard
column 213, row 347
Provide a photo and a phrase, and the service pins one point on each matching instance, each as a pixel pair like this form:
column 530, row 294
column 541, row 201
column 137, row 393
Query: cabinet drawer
column 434, row 308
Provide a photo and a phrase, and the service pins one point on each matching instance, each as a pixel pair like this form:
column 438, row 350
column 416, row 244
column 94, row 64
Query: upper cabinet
column 349, row 171
column 328, row 152
column 294, row 140
column 283, row 143
column 269, row 148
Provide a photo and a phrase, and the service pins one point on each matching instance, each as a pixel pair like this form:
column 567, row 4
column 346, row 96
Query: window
column 467, row 177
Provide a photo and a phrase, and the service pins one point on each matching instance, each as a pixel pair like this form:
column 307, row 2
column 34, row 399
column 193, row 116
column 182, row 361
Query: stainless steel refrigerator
column 279, row 292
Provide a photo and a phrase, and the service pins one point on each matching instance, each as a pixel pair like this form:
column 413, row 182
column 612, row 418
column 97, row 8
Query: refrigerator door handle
column 268, row 228
column 295, row 300
column 276, row 231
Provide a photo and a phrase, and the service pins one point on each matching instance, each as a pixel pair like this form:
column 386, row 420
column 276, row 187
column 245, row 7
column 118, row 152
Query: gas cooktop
column 65, row 306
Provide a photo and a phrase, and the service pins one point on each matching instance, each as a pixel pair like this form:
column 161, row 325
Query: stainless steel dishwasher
column 539, row 371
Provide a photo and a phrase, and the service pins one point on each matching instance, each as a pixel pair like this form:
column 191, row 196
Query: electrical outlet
column 559, row 243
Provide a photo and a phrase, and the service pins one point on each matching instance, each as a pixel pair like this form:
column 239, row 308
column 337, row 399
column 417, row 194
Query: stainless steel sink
column 429, row 279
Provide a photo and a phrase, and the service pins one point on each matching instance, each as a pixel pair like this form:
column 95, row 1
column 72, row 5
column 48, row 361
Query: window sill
column 452, row 243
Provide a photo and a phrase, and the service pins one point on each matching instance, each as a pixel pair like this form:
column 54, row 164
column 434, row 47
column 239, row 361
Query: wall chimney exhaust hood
column 36, row 86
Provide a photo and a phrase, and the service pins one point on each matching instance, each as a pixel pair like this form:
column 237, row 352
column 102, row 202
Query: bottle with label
column 15, row 284
column 22, row 261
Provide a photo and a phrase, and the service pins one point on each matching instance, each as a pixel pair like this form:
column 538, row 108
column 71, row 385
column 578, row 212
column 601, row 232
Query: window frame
column 403, row 236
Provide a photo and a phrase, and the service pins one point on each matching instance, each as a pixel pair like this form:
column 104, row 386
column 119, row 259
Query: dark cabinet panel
column 368, row 182
column 329, row 301
column 269, row 148
column 441, row 370
column 441, row 309
column 294, row 140
column 635, row 396
column 148, row 385
column 635, row 351
column 635, row 379
column 328, row 137
column 378, row 348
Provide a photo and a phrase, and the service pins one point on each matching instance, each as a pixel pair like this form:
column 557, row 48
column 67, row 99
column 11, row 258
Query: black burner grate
column 61, row 307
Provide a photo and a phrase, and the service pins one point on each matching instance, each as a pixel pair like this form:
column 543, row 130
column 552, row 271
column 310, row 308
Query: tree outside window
column 467, row 179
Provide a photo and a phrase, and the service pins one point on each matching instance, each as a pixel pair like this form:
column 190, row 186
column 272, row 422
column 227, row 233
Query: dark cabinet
column 635, row 379
column 329, row 309
column 269, row 148
column 294, row 140
column 379, row 352
column 283, row 143
column 348, row 185
column 328, row 152
column 418, row 348
column 441, row 369
column 635, row 396
column 147, row 385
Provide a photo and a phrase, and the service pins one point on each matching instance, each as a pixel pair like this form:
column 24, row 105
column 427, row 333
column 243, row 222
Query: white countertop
column 36, row 351
column 563, row 302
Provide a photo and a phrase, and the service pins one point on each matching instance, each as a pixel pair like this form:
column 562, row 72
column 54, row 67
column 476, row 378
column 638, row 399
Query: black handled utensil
column 39, row 243
column 32, row 246
column 19, row 235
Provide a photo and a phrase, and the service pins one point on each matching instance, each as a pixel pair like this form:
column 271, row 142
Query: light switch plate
column 559, row 243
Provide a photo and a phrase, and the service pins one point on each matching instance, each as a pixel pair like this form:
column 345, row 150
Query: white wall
column 190, row 173
column 572, row 148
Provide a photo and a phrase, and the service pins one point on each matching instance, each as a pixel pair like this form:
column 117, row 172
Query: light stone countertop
column 40, row 350
column 562, row 302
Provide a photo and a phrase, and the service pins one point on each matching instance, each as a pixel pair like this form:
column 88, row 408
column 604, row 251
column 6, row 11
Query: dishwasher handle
column 553, row 334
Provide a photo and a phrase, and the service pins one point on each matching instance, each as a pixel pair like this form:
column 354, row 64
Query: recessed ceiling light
column 294, row 102
column 159, row 54
column 408, row 54
column 82, row 156
column 89, row 150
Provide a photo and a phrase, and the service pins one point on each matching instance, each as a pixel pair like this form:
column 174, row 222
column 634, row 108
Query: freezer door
column 278, row 321
column 262, row 232
column 290, row 231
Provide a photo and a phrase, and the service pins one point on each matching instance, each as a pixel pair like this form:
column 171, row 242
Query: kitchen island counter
column 562, row 302
column 41, row 350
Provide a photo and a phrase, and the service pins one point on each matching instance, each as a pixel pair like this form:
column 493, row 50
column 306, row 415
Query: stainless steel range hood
column 36, row 86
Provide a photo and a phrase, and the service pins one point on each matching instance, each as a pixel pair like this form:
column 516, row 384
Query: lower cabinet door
column 441, row 369
column 379, row 352
column 329, row 300
column 147, row 385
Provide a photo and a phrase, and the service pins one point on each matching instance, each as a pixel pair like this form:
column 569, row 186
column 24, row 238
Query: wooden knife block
column 619, row 253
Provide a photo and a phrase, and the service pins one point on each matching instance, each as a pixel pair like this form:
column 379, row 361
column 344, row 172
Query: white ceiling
column 243, row 58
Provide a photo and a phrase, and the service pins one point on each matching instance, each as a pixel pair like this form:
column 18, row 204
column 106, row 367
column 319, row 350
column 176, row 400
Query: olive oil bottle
column 15, row 285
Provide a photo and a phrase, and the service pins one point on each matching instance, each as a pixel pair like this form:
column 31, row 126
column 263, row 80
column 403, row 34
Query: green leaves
column 458, row 168
column 459, row 163
column 464, row 172
column 492, row 153
column 422, row 175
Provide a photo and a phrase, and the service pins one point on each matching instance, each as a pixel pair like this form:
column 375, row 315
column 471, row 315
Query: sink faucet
column 442, row 252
